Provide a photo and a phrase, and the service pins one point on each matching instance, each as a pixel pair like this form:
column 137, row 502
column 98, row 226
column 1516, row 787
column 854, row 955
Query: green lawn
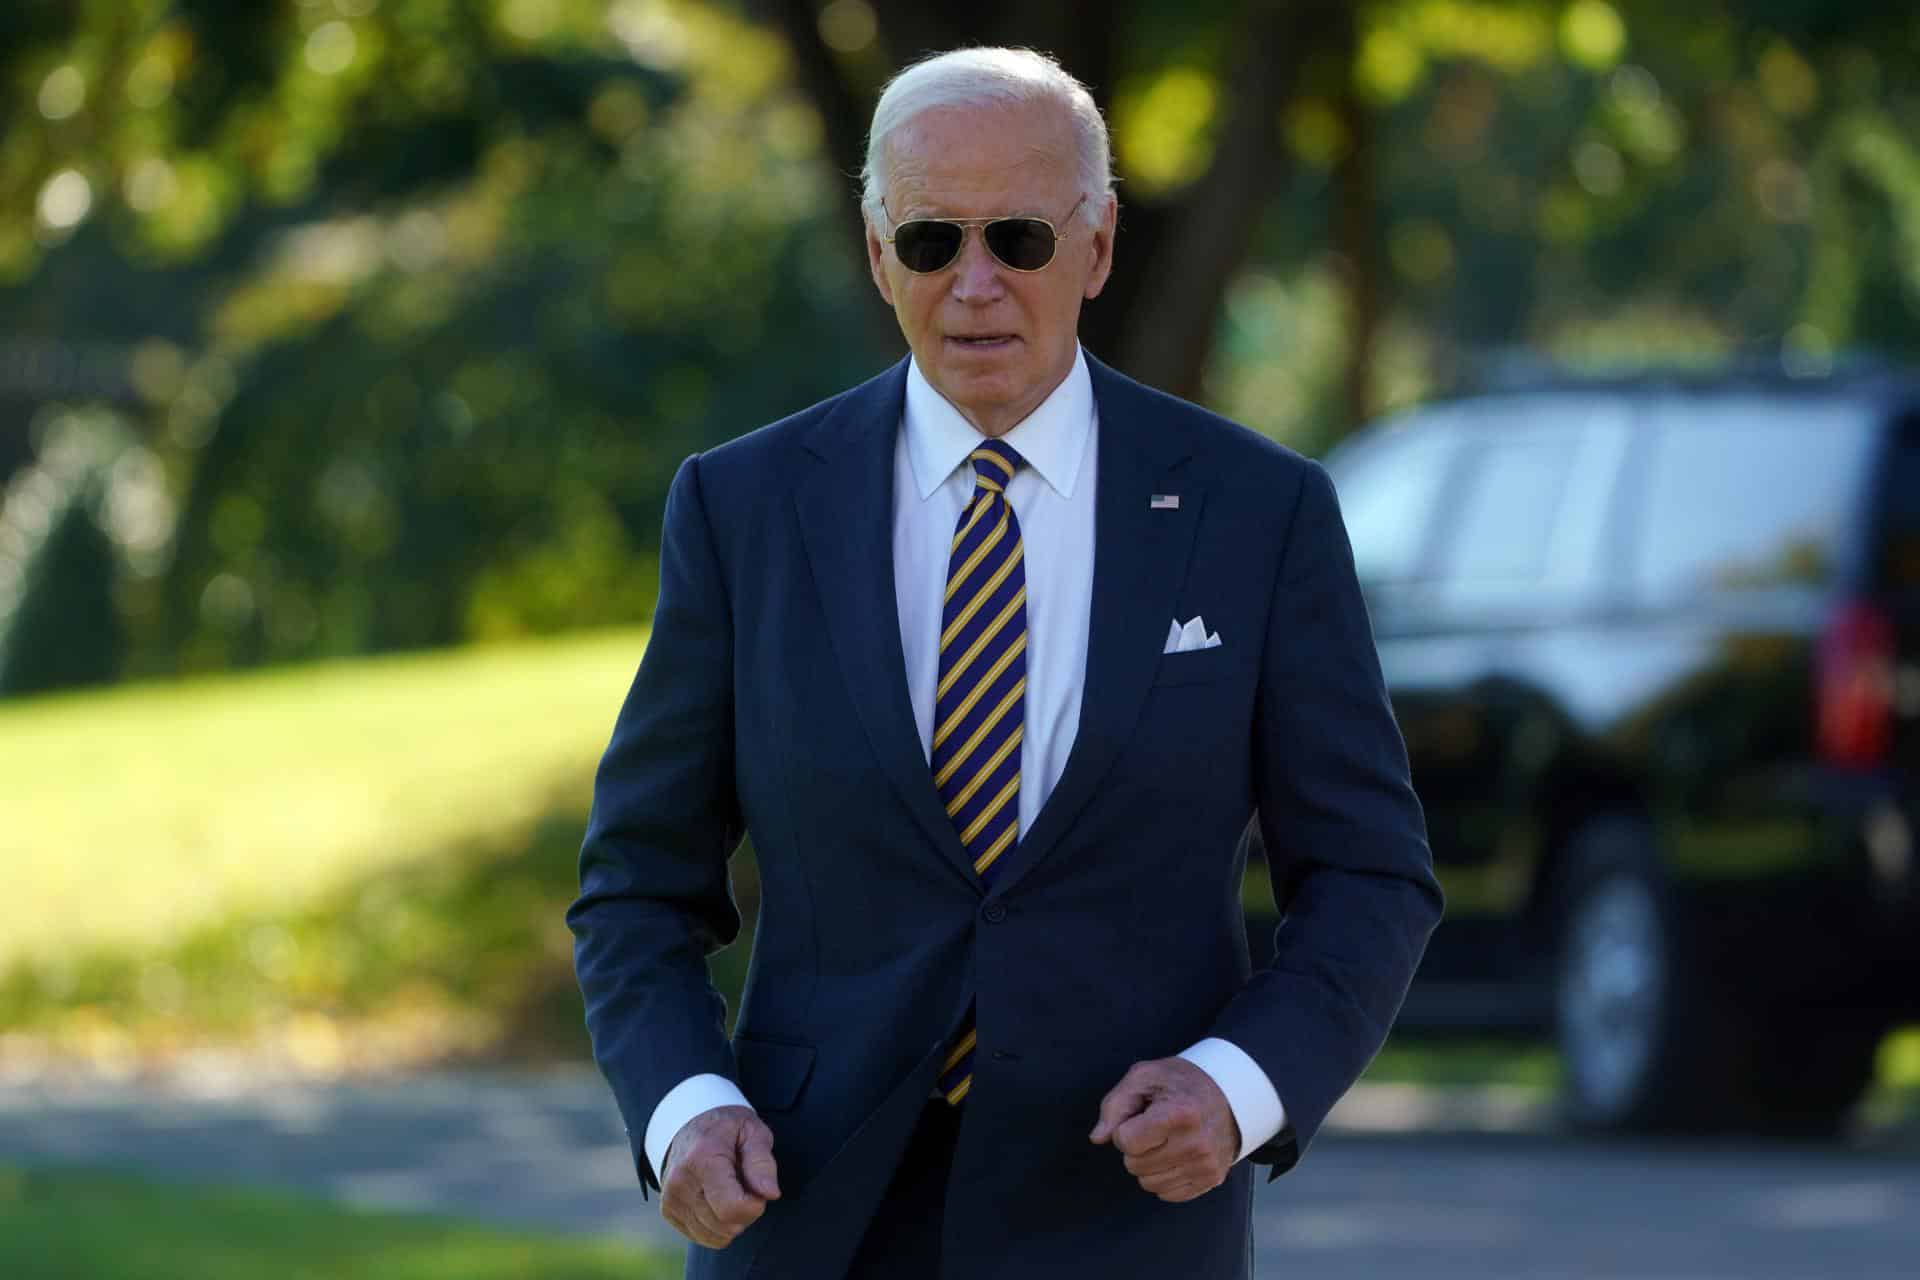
column 1411, row 1060
column 390, row 841
column 86, row 1226
column 136, row 813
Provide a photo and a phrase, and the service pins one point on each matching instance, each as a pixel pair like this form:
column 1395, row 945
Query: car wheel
column 1635, row 1051
column 1808, row 1070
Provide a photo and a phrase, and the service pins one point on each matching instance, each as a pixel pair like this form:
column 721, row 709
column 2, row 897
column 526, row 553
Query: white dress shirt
column 1053, row 499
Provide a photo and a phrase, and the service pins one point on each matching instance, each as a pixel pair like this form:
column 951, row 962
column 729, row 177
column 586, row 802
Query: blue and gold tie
column 979, row 704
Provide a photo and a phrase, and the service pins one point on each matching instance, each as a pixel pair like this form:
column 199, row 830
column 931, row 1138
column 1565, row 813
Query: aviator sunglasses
column 927, row 245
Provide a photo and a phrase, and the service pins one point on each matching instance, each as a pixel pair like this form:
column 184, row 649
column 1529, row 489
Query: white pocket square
column 1192, row 635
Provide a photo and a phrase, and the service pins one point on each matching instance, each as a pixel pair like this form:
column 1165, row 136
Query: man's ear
column 1102, row 240
column 877, row 263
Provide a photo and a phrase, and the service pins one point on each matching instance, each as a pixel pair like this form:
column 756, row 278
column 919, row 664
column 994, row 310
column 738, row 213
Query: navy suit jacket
column 772, row 699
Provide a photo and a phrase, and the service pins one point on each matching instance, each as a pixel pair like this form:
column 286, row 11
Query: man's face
column 994, row 341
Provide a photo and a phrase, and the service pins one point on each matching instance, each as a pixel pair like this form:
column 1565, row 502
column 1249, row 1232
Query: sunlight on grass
column 1415, row 1060
column 1899, row 1060
column 75, row 1225
column 135, row 813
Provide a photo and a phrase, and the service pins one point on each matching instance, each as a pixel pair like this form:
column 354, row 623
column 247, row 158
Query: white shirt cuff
column 1250, row 1095
column 689, row 1098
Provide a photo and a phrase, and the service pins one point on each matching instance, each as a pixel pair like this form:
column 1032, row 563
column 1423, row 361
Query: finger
column 1128, row 1098
column 1187, row 1183
column 757, row 1168
column 708, row 1229
column 1145, row 1132
column 686, row 1211
column 734, row 1206
column 1164, row 1184
column 677, row 1196
column 1168, row 1155
column 716, row 1192
column 1175, row 1187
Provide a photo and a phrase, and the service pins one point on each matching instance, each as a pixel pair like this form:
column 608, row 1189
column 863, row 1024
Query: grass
column 1410, row 1060
column 135, row 813
column 87, row 1226
column 333, row 857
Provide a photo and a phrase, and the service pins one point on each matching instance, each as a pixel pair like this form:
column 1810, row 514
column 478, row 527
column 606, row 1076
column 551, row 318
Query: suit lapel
column 846, row 520
column 1140, row 562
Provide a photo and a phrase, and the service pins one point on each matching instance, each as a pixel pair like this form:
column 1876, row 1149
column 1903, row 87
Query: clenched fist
column 719, row 1176
column 1173, row 1125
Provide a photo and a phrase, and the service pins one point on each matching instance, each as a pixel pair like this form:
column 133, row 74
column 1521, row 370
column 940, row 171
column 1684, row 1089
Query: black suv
column 1655, row 648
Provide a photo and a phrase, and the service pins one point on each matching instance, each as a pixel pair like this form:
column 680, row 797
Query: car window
column 1897, row 538
column 1747, row 493
column 1389, row 486
column 1511, row 489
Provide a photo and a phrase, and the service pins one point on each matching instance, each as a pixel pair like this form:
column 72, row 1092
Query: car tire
column 1807, row 1070
column 1642, row 1046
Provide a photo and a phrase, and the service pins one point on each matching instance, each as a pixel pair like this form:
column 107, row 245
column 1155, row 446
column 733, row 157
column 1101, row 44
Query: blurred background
column 347, row 348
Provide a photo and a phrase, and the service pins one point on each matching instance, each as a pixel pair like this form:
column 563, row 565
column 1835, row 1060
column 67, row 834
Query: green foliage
column 59, row 562
column 1611, row 184
column 449, row 291
column 72, row 1225
column 65, row 631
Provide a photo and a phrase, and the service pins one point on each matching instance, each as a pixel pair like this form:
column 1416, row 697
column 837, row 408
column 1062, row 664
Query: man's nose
column 976, row 272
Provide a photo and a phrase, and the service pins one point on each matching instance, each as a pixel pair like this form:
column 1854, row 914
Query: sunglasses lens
column 1025, row 244
column 927, row 246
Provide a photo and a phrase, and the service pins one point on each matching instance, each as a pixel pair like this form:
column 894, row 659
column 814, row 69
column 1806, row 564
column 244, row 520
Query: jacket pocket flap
column 771, row 1071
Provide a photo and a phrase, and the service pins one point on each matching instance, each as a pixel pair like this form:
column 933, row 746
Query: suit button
column 995, row 911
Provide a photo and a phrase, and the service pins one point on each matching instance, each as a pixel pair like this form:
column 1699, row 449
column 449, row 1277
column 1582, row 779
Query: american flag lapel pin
column 1163, row 502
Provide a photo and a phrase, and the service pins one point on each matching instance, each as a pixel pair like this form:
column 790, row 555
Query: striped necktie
column 980, row 701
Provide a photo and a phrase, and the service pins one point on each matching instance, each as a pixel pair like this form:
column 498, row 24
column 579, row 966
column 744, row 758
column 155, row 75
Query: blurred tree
column 59, row 625
column 476, row 278
column 1605, row 184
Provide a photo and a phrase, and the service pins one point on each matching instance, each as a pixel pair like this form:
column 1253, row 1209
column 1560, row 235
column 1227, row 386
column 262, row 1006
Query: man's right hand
column 719, row 1176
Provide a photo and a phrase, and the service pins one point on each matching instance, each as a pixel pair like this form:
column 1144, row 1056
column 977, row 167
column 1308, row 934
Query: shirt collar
column 1052, row 438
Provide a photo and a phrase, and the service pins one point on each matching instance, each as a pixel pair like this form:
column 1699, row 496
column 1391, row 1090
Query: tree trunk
column 1198, row 241
column 1356, row 237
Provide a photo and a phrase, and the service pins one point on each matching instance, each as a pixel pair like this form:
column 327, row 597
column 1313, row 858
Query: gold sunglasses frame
column 983, row 223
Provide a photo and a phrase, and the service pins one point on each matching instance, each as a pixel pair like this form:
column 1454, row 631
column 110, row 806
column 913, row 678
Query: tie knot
column 994, row 463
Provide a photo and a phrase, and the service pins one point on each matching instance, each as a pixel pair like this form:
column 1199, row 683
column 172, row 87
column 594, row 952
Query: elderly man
column 996, row 656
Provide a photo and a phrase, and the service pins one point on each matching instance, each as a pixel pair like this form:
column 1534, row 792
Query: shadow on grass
column 463, row 955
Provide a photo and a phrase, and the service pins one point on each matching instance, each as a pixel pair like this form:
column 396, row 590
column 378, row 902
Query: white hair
column 984, row 76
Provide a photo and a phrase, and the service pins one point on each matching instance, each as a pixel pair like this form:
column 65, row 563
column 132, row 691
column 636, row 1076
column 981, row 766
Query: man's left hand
column 1173, row 1125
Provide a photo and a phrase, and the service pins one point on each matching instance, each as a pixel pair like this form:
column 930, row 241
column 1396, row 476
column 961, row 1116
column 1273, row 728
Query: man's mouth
column 981, row 341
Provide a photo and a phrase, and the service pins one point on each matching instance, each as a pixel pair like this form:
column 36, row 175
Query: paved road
column 1386, row 1192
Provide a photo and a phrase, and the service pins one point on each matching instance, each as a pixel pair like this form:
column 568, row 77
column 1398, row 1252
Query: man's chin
column 974, row 385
